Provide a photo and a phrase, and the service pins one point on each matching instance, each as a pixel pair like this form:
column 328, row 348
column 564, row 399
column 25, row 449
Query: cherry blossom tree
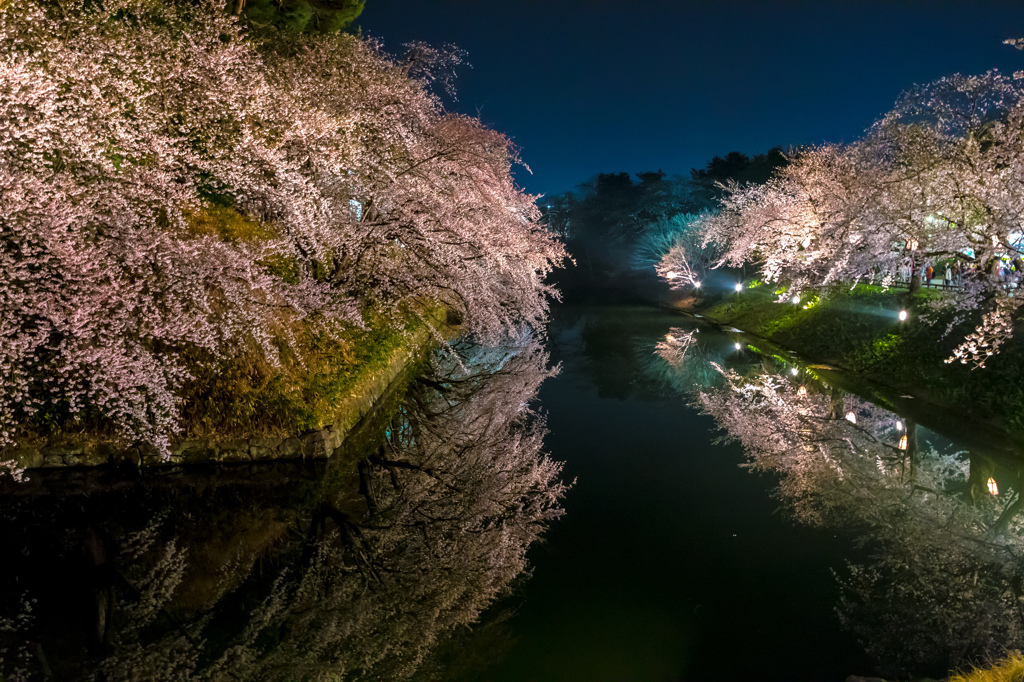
column 935, row 179
column 677, row 250
column 126, row 124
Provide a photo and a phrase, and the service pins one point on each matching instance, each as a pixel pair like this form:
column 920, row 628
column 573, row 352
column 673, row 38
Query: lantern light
column 802, row 390
column 851, row 417
column 738, row 346
column 993, row 489
column 696, row 285
column 903, row 442
column 899, row 425
column 903, row 316
column 796, row 299
column 739, row 286
column 793, row 371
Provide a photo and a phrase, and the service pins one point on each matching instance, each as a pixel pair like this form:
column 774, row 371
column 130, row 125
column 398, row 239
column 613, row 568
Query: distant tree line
column 619, row 224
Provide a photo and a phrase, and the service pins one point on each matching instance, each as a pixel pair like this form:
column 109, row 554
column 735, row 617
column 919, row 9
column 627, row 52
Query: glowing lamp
column 851, row 417
column 903, row 442
column 802, row 390
column 739, row 286
column 903, row 316
column 793, row 371
column 696, row 285
column 899, row 425
column 796, row 299
column 738, row 346
column 993, row 489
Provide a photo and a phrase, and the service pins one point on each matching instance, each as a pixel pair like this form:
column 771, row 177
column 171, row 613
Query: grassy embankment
column 1010, row 669
column 859, row 331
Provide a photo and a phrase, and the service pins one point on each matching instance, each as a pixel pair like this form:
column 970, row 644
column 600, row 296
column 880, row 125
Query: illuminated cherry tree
column 125, row 124
column 936, row 179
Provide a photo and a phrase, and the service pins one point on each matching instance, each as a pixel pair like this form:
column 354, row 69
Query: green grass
column 1010, row 669
column 248, row 395
column 859, row 330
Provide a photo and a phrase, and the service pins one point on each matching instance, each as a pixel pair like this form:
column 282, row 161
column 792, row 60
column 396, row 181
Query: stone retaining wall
column 319, row 444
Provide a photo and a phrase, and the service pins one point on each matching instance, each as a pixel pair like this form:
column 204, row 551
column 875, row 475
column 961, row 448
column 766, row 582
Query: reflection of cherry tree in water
column 942, row 582
column 439, row 527
column 687, row 363
column 451, row 505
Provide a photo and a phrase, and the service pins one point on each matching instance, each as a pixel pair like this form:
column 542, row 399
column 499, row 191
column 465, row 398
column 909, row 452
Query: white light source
column 739, row 286
column 796, row 299
column 899, row 425
column 738, row 346
column 793, row 371
column 851, row 417
column 696, row 285
column 903, row 316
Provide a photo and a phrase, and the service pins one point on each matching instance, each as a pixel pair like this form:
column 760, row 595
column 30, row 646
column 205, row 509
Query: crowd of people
column 951, row 273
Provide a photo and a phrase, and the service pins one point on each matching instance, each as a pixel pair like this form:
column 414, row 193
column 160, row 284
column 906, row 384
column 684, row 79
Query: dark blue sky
column 589, row 86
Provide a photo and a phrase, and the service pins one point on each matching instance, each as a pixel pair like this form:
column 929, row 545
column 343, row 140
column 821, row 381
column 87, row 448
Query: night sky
column 589, row 86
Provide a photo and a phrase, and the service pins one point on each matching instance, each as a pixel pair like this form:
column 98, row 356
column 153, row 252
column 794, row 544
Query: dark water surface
column 832, row 535
column 672, row 562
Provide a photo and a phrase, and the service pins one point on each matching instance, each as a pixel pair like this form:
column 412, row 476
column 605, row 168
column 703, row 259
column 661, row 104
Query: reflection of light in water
column 903, row 442
column 993, row 489
column 802, row 391
column 851, row 417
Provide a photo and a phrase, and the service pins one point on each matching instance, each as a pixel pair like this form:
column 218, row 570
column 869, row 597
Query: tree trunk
column 915, row 280
column 835, row 407
column 981, row 469
column 1003, row 522
column 912, row 450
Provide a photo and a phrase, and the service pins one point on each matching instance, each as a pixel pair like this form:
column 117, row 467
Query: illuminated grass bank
column 860, row 331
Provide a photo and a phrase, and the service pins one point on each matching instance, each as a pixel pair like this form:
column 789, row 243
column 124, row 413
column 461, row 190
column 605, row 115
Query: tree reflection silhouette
column 361, row 578
column 938, row 581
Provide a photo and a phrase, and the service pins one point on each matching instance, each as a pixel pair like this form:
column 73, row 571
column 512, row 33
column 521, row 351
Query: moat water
column 734, row 513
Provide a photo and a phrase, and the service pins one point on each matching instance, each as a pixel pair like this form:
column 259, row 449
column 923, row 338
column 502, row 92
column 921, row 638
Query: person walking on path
column 948, row 279
column 928, row 272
